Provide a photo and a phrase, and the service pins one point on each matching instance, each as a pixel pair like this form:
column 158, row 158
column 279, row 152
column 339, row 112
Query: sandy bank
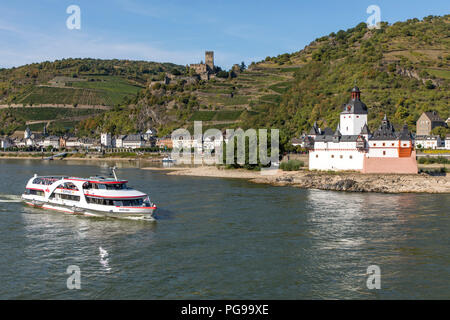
column 386, row 183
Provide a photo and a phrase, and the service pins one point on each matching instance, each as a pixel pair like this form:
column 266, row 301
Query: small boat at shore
column 168, row 159
column 94, row 196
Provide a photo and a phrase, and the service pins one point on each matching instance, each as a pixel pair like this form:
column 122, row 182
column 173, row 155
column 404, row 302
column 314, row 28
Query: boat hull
column 121, row 213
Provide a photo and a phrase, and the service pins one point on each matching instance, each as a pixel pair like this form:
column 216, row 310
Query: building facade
column 447, row 142
column 353, row 147
column 427, row 122
column 428, row 142
column 105, row 140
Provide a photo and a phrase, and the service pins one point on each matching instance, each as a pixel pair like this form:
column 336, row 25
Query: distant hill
column 74, row 82
column 402, row 70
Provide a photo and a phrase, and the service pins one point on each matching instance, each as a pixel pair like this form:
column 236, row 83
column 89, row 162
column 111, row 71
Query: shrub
column 431, row 160
column 291, row 165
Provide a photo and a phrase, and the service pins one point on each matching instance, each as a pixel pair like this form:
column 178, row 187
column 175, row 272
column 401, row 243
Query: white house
column 52, row 141
column 72, row 143
column 105, row 140
column 133, row 141
column 119, row 141
column 447, row 142
column 88, row 143
column 428, row 142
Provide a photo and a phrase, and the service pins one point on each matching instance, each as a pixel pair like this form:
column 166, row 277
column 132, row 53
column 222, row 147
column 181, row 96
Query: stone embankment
column 345, row 181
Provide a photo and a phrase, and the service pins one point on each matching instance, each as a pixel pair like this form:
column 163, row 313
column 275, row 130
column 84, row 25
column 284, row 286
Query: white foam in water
column 138, row 218
column 103, row 252
column 10, row 198
column 104, row 258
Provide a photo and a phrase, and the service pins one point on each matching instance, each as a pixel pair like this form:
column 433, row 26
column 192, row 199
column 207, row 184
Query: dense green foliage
column 401, row 69
column 377, row 61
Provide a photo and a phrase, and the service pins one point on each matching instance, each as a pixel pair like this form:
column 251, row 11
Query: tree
column 441, row 131
column 222, row 74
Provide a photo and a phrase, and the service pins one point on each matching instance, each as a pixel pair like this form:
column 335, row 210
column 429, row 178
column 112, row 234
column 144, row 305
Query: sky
column 180, row 31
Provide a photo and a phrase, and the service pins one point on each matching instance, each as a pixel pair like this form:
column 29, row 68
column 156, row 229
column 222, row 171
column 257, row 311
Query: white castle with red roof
column 352, row 146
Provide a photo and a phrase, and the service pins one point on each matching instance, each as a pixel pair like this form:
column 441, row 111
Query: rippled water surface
column 223, row 238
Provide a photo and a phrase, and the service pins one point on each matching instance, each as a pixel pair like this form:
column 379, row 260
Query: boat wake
column 149, row 219
column 10, row 198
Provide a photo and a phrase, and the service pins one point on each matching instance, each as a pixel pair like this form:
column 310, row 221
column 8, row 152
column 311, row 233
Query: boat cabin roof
column 96, row 179
column 100, row 180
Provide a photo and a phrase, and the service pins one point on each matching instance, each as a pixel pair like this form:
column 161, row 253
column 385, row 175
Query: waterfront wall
column 391, row 165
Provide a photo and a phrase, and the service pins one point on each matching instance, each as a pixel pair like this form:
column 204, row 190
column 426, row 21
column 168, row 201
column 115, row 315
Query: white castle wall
column 383, row 149
column 336, row 156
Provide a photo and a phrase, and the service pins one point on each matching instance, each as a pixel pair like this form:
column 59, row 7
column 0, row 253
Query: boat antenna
column 113, row 169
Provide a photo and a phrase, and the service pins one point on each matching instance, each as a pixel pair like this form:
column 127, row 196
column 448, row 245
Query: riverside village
column 349, row 147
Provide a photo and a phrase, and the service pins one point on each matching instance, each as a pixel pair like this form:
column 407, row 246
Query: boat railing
column 47, row 180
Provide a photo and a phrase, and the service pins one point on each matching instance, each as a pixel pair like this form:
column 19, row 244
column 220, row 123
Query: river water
column 223, row 239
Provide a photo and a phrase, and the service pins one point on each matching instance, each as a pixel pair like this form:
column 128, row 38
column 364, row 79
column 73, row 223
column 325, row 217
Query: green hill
column 402, row 70
column 73, row 82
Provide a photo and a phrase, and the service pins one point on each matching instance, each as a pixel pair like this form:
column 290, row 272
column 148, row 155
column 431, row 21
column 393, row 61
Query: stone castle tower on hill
column 205, row 70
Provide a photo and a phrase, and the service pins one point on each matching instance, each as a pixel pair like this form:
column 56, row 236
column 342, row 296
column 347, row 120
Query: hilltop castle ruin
column 205, row 70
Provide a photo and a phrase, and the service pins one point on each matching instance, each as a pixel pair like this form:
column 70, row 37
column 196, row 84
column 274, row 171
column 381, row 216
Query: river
column 223, row 239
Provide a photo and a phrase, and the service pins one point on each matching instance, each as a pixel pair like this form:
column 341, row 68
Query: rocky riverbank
column 353, row 182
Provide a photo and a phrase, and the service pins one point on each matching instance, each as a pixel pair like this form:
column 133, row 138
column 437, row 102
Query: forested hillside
column 402, row 70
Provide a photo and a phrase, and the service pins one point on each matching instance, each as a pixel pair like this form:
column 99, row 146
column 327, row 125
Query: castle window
column 332, row 155
column 374, row 144
column 351, row 157
column 357, row 116
column 384, row 144
column 384, row 153
column 317, row 155
column 341, row 156
column 392, row 144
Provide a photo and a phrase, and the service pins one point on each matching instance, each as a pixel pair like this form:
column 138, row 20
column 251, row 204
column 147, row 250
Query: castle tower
column 209, row 60
column 354, row 116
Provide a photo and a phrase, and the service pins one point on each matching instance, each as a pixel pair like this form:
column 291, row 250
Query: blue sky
column 180, row 31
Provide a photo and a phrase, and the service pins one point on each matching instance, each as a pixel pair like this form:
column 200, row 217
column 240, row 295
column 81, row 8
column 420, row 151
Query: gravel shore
column 342, row 181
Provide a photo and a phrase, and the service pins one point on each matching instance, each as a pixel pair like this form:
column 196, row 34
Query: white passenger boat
column 97, row 196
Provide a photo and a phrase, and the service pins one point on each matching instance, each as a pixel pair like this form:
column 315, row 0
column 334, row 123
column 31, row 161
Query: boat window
column 36, row 192
column 69, row 197
column 69, row 186
column 101, row 186
column 104, row 202
column 129, row 203
column 118, row 186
